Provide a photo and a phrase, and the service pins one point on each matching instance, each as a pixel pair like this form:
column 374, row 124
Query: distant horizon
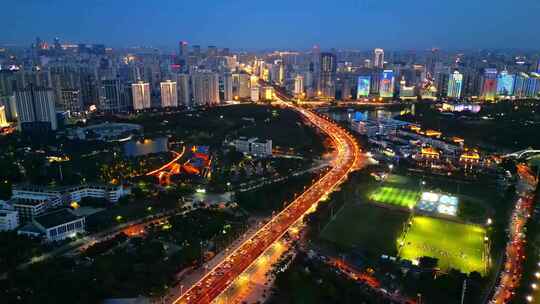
column 243, row 24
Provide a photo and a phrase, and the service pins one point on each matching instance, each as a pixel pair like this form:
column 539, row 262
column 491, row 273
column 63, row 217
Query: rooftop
column 56, row 218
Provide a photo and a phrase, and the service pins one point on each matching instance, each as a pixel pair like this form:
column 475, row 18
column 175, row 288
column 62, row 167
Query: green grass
column 395, row 196
column 456, row 245
column 366, row 227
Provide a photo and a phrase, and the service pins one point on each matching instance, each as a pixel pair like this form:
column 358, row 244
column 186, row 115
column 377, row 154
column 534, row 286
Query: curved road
column 347, row 158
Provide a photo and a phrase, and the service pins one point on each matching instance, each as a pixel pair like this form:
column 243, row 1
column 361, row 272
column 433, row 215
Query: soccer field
column 456, row 245
column 367, row 227
column 395, row 196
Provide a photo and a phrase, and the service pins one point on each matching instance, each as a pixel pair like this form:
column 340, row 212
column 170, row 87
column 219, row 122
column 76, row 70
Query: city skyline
column 355, row 24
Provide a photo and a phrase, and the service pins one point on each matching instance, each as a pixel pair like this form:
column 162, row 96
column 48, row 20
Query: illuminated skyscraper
column 205, row 88
column 112, row 96
column 241, row 83
column 532, row 89
column 363, row 87
column 505, row 84
column 327, row 75
column 386, row 87
column 489, row 84
column 455, row 85
column 169, row 94
column 141, row 95
column 378, row 58
column 3, row 118
column 298, row 85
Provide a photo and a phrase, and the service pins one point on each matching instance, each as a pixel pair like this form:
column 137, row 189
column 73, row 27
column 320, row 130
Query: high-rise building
column 255, row 93
column 71, row 100
column 505, row 84
column 141, row 95
column 378, row 58
column 299, row 85
column 212, row 51
column 35, row 109
column 183, row 50
column 3, row 117
column 520, row 85
column 387, row 82
column 363, row 86
column 205, row 88
column 169, row 94
column 241, row 83
column 455, row 85
column 228, row 87
column 110, row 96
column 489, row 84
column 327, row 75
column 184, row 89
column 532, row 89
column 432, row 60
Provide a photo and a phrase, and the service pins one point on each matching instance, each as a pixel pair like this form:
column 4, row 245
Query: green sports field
column 367, row 227
column 456, row 245
column 394, row 196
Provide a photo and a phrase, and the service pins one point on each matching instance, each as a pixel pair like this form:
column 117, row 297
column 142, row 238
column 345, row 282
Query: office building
column 489, row 84
column 36, row 109
column 378, row 58
column 111, row 96
column 363, row 86
column 183, row 49
column 205, row 88
column 184, row 89
column 141, row 95
column 505, row 84
column 327, row 75
column 169, row 94
column 387, row 82
column 520, row 85
column 532, row 89
column 455, row 85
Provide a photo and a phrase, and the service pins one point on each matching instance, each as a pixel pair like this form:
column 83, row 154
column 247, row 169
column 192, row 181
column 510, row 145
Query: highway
column 347, row 157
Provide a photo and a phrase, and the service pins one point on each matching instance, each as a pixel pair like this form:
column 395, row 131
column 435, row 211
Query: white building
column 9, row 217
column 169, row 94
column 36, row 109
column 55, row 226
column 241, row 85
column 69, row 194
column 141, row 95
column 253, row 146
column 228, row 87
column 205, row 88
column 378, row 58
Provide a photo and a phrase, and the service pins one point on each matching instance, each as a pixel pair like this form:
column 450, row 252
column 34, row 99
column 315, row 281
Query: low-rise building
column 69, row 194
column 254, row 146
column 55, row 226
column 9, row 217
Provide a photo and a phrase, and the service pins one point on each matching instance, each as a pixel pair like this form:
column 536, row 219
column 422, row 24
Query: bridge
column 164, row 172
column 522, row 153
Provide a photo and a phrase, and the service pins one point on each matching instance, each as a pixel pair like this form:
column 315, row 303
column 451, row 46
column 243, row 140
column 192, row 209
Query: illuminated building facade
column 3, row 119
column 505, row 84
column 386, row 87
column 455, row 85
column 363, row 87
column 489, row 84
column 520, row 85
column 328, row 75
column 141, row 95
column 205, row 88
column 532, row 89
column 298, row 85
column 378, row 58
column 169, row 94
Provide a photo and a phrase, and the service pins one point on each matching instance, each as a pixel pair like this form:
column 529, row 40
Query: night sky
column 298, row 24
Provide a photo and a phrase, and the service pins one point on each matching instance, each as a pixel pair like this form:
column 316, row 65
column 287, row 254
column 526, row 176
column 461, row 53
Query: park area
column 455, row 245
column 366, row 227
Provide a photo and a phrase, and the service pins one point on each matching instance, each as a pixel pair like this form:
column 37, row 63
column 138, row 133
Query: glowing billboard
column 386, row 88
column 363, row 87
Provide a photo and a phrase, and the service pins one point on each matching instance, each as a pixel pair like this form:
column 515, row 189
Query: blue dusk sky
column 293, row 24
